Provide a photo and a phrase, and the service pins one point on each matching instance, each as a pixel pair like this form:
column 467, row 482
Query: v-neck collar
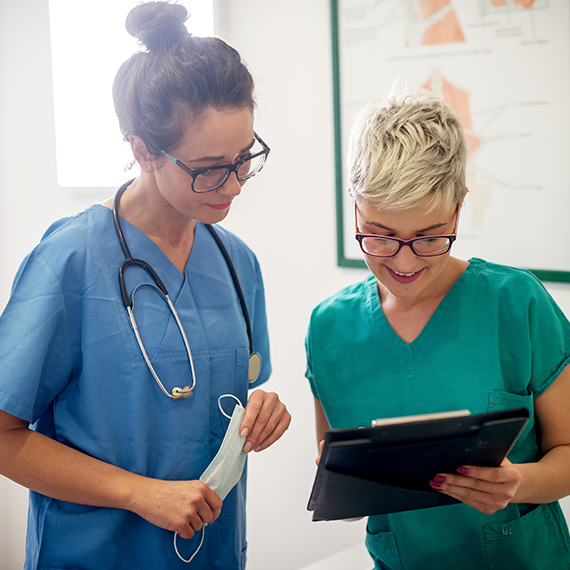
column 409, row 356
column 143, row 247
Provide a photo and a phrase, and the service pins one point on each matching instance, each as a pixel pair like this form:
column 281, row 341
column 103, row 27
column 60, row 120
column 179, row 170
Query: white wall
column 286, row 215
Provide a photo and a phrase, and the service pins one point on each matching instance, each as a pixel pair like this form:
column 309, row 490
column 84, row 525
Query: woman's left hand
column 266, row 419
column 487, row 489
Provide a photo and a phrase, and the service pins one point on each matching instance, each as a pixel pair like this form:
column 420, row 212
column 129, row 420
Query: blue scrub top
column 71, row 366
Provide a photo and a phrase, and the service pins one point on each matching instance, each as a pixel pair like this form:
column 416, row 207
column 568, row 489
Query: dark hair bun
column 157, row 24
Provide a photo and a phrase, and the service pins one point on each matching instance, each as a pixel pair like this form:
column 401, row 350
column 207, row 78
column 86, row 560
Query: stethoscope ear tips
column 254, row 366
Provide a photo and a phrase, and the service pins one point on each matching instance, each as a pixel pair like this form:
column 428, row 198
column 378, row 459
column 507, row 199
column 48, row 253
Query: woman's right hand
column 181, row 506
column 56, row 470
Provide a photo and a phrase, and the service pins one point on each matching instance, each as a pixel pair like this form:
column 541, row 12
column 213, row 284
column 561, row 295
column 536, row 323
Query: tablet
column 387, row 467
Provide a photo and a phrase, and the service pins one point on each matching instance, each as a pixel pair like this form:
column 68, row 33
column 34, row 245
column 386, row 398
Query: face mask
column 226, row 468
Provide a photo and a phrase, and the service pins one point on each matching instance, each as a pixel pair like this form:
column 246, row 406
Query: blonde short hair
column 407, row 151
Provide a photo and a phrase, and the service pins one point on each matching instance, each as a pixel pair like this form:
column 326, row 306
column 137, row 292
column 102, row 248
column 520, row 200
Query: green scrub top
column 496, row 341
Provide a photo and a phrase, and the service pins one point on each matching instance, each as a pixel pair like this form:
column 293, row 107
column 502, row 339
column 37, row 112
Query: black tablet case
column 386, row 469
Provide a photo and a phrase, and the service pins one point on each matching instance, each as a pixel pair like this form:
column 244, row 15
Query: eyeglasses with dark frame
column 384, row 246
column 213, row 177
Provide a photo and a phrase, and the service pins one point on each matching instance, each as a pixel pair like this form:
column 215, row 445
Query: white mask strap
column 197, row 550
column 228, row 396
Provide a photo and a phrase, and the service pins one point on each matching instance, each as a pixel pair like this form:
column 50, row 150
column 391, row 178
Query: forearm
column 321, row 422
column 53, row 469
column 546, row 480
column 58, row 471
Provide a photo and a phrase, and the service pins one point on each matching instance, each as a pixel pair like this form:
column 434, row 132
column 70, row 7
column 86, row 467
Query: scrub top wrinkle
column 219, row 300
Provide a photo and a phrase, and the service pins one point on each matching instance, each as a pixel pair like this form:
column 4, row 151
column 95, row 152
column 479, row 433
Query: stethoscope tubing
column 236, row 282
column 128, row 300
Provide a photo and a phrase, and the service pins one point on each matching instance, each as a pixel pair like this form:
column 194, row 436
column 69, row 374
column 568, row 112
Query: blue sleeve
column 35, row 353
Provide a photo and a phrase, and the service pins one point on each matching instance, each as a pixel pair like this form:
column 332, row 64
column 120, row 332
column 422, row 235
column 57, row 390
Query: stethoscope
column 128, row 301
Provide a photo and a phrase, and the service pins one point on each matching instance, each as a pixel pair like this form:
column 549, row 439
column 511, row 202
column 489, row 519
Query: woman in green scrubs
column 427, row 332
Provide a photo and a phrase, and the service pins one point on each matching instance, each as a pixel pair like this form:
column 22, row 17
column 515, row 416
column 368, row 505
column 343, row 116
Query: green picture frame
column 342, row 259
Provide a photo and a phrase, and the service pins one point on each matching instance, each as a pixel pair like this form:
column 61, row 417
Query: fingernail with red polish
column 463, row 470
column 437, row 481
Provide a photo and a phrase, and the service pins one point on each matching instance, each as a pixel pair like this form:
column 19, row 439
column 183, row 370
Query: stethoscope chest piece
column 254, row 366
column 185, row 392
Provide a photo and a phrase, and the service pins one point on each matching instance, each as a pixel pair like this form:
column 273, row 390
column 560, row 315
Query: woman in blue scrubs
column 427, row 332
column 112, row 461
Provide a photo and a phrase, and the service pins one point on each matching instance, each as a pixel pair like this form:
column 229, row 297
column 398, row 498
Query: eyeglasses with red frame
column 385, row 246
